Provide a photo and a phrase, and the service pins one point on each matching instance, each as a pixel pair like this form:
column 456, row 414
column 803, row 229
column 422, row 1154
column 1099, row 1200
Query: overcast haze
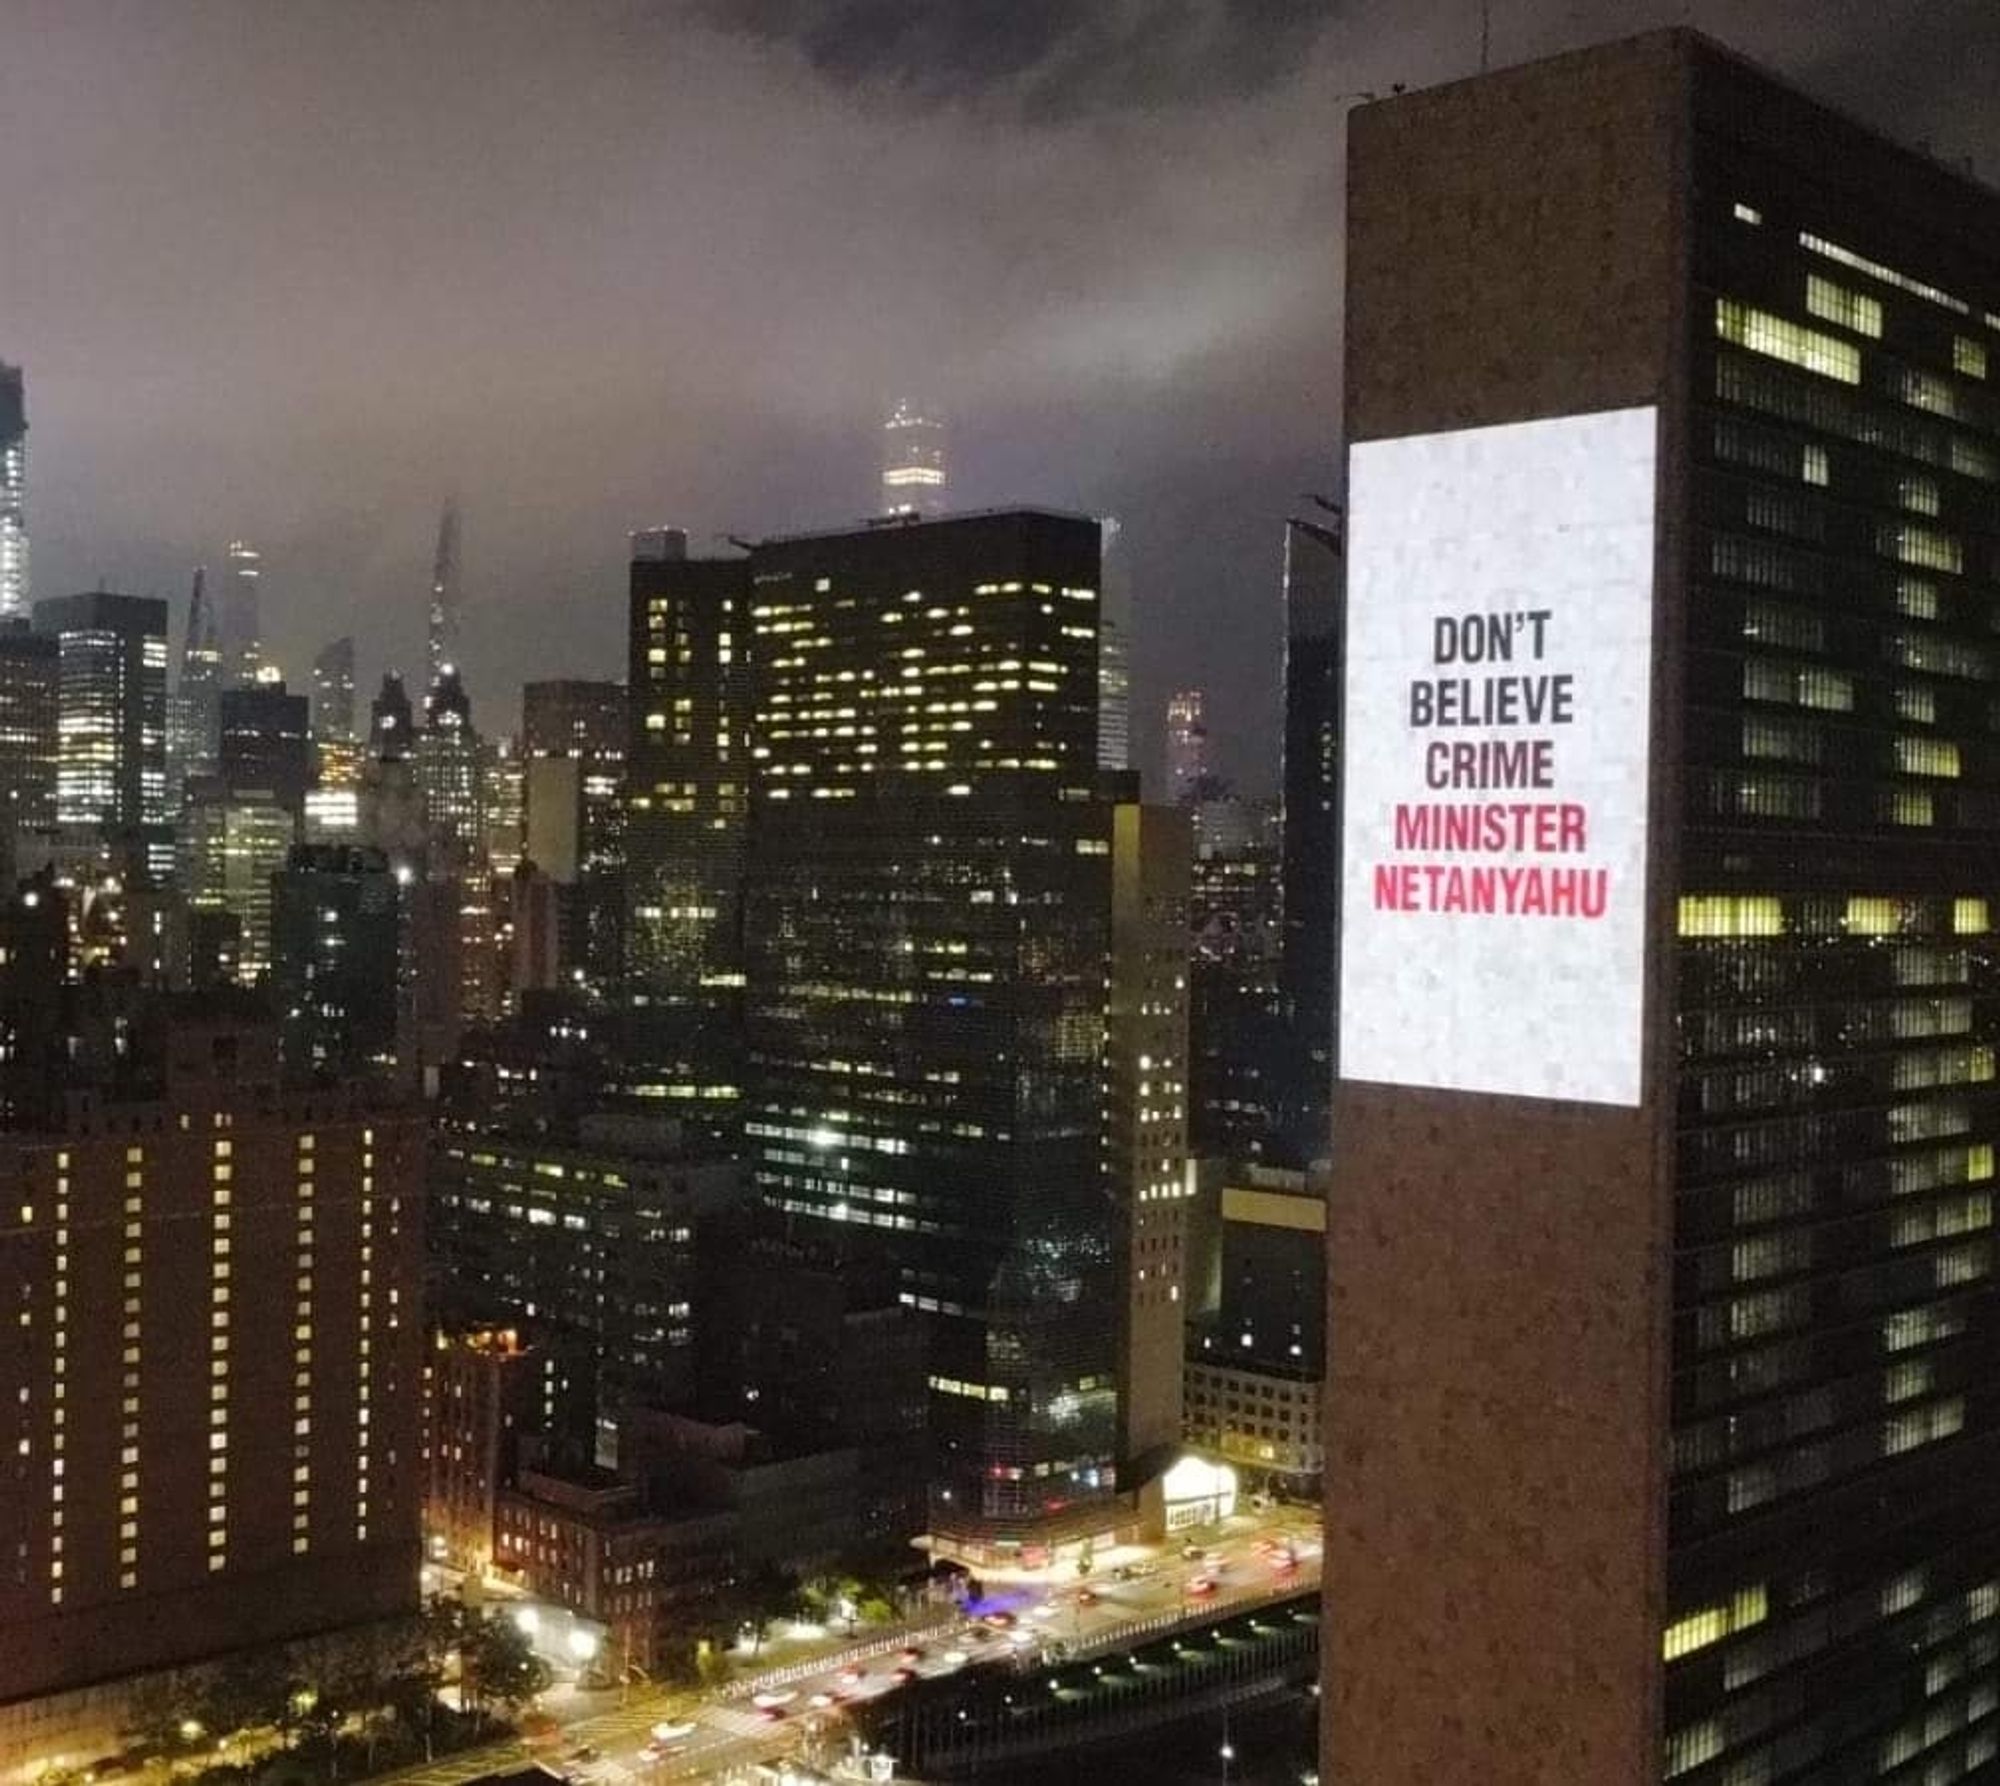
column 294, row 269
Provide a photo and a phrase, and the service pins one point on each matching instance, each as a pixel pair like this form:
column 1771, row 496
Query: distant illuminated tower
column 196, row 708
column 13, row 494
column 504, row 795
column 1187, row 747
column 242, row 619
column 451, row 771
column 1114, row 651
column 912, row 461
column 444, row 595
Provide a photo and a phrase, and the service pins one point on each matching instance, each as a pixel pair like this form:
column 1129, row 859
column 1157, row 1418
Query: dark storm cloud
column 1052, row 59
column 291, row 271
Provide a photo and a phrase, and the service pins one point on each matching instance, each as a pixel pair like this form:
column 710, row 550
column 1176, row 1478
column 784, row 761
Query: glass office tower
column 13, row 494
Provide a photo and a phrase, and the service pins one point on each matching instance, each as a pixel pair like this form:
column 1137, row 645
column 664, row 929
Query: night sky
column 295, row 269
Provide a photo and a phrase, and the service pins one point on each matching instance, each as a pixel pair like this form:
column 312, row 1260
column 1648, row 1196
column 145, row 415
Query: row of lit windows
column 222, row 1172
column 1832, row 409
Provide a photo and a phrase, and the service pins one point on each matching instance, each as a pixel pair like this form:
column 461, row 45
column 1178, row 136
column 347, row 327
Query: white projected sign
column 1499, row 659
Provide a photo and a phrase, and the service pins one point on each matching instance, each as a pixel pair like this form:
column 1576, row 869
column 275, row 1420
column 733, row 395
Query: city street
column 1029, row 1614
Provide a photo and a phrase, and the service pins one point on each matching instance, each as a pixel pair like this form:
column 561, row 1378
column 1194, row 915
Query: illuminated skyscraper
column 926, row 940
column 13, row 494
column 1146, row 1118
column 242, row 630
column 112, row 716
column 1663, row 1325
column 1187, row 748
column 504, row 792
column 450, row 766
column 913, row 466
column 1114, row 652
column 333, row 692
column 29, row 664
column 441, row 632
column 231, row 843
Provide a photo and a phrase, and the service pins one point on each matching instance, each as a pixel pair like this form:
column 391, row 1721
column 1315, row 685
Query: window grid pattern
column 1839, row 1017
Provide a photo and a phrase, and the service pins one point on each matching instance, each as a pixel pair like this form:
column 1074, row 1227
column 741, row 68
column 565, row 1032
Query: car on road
column 851, row 1677
column 672, row 1733
column 1201, row 1585
column 820, row 1701
column 770, row 1701
column 770, row 1713
column 1086, row 1596
column 583, row 1752
column 911, row 1656
column 904, row 1676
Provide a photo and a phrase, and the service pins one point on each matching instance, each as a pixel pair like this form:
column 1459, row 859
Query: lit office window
column 1765, row 333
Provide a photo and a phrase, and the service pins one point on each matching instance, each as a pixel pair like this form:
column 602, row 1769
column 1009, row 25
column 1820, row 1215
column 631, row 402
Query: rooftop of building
column 873, row 525
column 1923, row 156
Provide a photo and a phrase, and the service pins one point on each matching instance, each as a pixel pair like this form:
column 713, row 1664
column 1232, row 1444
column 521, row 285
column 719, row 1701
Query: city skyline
column 1158, row 342
column 1171, row 855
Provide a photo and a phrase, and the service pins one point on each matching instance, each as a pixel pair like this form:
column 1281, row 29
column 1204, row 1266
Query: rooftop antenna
column 1485, row 34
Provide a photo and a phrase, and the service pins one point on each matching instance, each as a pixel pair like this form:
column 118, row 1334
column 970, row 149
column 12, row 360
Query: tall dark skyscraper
column 266, row 743
column 13, row 494
column 926, row 939
column 334, row 942
column 197, row 700
column 111, row 717
column 333, row 692
column 574, row 736
column 1237, row 1031
column 441, row 628
column 392, row 729
column 688, row 774
column 29, row 674
column 1311, row 872
column 1663, row 1330
column 568, row 717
